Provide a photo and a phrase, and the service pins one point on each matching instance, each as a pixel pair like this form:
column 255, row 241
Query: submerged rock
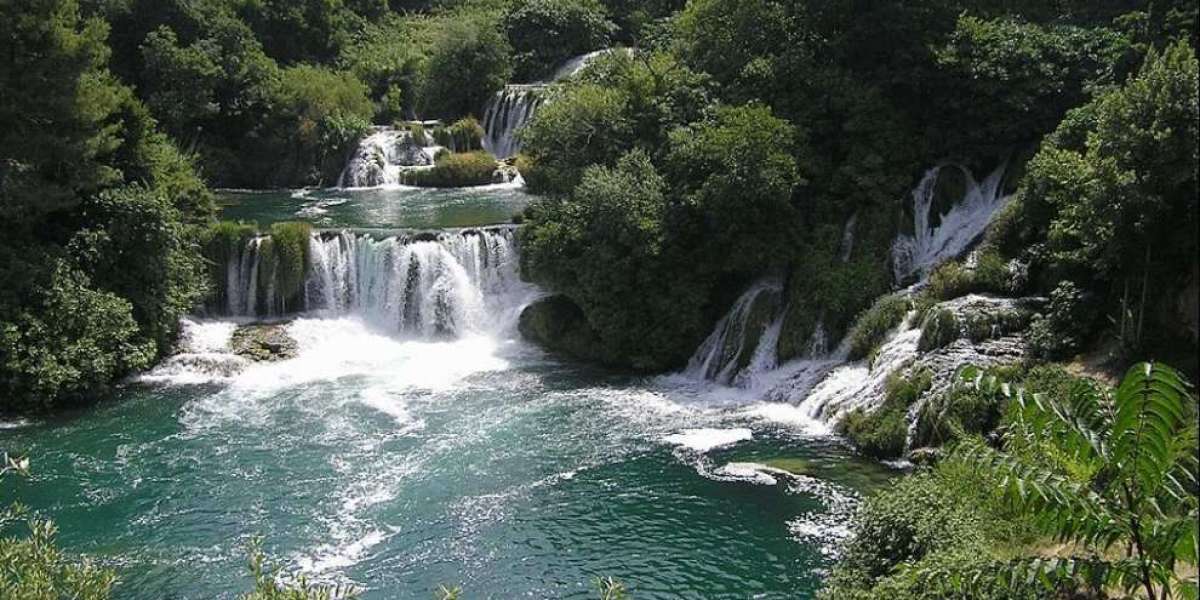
column 264, row 342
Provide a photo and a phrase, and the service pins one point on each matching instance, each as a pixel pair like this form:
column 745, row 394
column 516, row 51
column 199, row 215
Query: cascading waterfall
column 512, row 107
column 423, row 285
column 744, row 340
column 930, row 244
column 506, row 113
column 382, row 156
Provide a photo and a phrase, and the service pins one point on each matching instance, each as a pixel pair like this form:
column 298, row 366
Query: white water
column 506, row 113
column 511, row 108
column 721, row 356
column 929, row 246
column 450, row 283
column 382, row 156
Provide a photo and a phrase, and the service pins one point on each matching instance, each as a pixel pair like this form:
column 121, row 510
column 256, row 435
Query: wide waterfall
column 954, row 231
column 506, row 113
column 423, row 285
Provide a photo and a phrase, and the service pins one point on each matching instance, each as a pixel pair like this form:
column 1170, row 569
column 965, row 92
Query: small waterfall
column 382, row 156
column 512, row 107
column 506, row 113
column 423, row 285
column 932, row 243
column 743, row 342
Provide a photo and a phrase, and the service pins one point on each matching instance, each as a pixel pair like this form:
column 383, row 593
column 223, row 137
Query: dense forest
column 734, row 141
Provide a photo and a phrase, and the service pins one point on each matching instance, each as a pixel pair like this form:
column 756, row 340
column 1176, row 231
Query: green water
column 383, row 208
column 400, row 465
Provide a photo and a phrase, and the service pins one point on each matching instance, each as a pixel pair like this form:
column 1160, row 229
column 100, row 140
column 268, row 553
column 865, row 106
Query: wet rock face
column 264, row 342
column 558, row 325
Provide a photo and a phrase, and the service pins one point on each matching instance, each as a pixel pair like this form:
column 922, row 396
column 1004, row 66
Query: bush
column 454, row 170
column 873, row 325
column 67, row 343
column 964, row 408
column 883, row 432
column 464, row 135
column 938, row 330
column 949, row 280
column 545, row 33
column 1066, row 325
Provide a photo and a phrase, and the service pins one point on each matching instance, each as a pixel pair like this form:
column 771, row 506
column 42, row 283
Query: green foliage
column 268, row 586
column 288, row 262
column 99, row 252
column 545, row 33
column 1030, row 74
column 938, row 330
column 31, row 565
column 607, row 248
column 67, row 341
column 469, row 62
column 577, row 127
column 455, row 170
column 1113, row 191
column 989, row 275
column 389, row 58
column 974, row 404
column 1113, row 472
column 883, row 432
column 322, row 114
column 873, row 325
column 736, row 171
column 463, row 135
column 1066, row 325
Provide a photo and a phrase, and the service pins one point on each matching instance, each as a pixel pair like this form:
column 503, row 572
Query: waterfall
column 743, row 342
column 382, row 155
column 932, row 243
column 506, row 113
column 424, row 285
column 512, row 107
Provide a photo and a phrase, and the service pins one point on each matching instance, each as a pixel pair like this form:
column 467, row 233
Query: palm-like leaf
column 1139, row 447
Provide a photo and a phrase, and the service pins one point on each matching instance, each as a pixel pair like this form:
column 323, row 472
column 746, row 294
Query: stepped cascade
column 424, row 285
column 741, row 350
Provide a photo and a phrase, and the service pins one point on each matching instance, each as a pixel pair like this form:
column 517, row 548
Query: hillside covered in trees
column 979, row 212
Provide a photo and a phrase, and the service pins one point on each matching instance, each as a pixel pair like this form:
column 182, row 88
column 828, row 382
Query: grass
column 873, row 325
column 455, row 170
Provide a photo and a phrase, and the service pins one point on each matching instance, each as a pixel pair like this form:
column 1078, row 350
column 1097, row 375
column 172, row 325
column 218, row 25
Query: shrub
column 938, row 330
column 883, row 432
column 1065, row 325
column 964, row 408
column 464, row 135
column 873, row 325
column 949, row 280
column 577, row 127
column 285, row 263
column 68, row 343
column 455, row 170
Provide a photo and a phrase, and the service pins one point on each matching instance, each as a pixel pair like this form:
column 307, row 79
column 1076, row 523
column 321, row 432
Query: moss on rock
column 557, row 324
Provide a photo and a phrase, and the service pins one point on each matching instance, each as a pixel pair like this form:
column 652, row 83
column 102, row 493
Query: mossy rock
column 558, row 324
column 264, row 343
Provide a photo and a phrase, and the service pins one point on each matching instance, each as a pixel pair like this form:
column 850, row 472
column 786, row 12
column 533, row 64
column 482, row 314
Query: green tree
column 545, row 33
column 576, row 127
column 607, row 247
column 736, row 170
column 1113, row 191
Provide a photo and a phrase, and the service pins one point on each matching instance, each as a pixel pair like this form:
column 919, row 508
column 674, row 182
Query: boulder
column 264, row 342
column 558, row 324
